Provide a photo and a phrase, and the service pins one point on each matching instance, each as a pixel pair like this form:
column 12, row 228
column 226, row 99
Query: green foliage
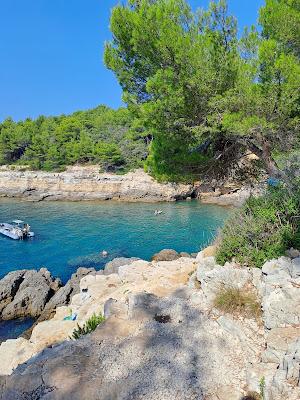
column 90, row 325
column 262, row 387
column 263, row 229
column 170, row 63
column 101, row 135
column 237, row 302
column 187, row 77
column 281, row 21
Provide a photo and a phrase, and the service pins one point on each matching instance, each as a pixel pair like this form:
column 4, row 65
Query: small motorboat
column 17, row 230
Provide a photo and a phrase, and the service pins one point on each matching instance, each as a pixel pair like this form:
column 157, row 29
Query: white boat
column 15, row 230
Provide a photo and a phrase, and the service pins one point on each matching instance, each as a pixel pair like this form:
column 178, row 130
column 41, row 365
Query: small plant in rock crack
column 90, row 325
column 262, row 386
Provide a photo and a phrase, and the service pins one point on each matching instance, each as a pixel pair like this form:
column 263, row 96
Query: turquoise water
column 69, row 235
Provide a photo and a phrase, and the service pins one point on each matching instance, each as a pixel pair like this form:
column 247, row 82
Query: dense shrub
column 263, row 229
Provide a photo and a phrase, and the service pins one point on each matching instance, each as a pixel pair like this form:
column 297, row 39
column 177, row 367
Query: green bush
column 90, row 325
column 263, row 229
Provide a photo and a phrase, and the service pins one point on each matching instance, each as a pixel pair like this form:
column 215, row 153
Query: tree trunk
column 264, row 153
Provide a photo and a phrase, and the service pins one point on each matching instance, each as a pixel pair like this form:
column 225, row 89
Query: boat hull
column 7, row 232
column 13, row 232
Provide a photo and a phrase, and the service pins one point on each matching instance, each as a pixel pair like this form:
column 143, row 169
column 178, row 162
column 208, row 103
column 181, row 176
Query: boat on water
column 17, row 230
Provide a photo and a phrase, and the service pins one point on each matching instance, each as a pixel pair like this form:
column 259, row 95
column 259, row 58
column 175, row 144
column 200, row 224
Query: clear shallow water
column 69, row 235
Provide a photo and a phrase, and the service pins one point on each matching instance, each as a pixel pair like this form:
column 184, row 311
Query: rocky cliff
column 86, row 183
column 164, row 338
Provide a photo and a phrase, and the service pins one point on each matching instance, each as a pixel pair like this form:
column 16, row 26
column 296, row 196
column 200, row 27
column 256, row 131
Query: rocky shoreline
column 80, row 183
column 163, row 337
column 86, row 183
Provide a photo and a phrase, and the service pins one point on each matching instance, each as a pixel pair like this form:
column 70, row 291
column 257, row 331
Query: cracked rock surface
column 163, row 338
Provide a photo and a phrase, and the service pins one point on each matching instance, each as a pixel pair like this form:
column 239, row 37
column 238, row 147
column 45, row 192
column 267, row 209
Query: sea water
column 69, row 235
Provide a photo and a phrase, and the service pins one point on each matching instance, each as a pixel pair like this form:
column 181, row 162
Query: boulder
column 185, row 255
column 27, row 293
column 166, row 255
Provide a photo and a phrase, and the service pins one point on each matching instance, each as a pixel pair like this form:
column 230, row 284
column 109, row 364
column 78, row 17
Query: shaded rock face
column 86, row 183
column 64, row 295
column 25, row 293
column 61, row 297
column 166, row 255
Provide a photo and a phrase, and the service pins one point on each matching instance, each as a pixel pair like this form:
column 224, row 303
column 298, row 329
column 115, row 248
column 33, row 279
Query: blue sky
column 52, row 54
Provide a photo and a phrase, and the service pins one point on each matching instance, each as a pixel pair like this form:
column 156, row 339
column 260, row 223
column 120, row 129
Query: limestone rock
column 186, row 356
column 278, row 341
column 232, row 197
column 293, row 253
column 162, row 338
column 213, row 277
column 285, row 384
column 14, row 352
column 112, row 267
column 9, row 286
column 281, row 293
column 116, row 308
column 166, row 255
column 29, row 293
column 86, row 183
column 63, row 296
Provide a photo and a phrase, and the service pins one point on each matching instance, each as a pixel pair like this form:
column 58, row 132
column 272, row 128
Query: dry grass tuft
column 238, row 302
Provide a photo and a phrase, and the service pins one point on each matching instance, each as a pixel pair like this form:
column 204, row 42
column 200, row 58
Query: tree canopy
column 188, row 77
column 101, row 135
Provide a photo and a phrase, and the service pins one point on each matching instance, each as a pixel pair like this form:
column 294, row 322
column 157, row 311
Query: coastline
column 79, row 183
column 85, row 183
